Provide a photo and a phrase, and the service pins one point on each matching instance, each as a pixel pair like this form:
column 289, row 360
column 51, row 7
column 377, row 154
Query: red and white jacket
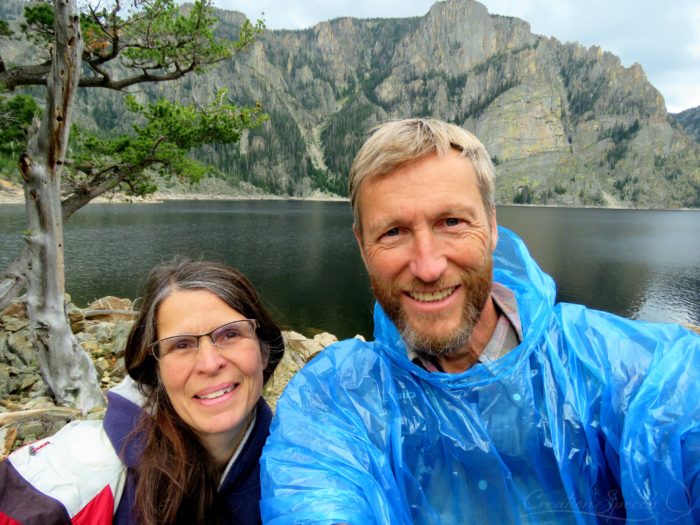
column 72, row 477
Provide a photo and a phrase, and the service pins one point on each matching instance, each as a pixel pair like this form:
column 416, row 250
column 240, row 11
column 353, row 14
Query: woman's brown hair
column 172, row 486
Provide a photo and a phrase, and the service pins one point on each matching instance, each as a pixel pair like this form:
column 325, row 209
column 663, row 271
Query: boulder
column 119, row 336
column 301, row 348
column 28, row 431
column 76, row 318
column 325, row 339
column 14, row 317
column 298, row 351
column 100, row 332
column 21, row 347
column 111, row 309
column 5, row 383
column 119, row 370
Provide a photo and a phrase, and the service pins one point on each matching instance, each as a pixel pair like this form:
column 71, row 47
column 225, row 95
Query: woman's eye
column 181, row 344
column 231, row 334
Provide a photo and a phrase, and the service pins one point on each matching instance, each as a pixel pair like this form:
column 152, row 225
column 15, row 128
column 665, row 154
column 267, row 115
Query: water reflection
column 638, row 263
column 303, row 258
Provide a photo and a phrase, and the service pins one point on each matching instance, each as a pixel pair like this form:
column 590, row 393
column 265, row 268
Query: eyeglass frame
column 153, row 346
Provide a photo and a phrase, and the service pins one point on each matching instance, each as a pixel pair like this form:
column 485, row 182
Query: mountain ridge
column 690, row 120
column 565, row 124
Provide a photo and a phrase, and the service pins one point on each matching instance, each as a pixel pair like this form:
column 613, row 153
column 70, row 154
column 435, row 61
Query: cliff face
column 690, row 120
column 564, row 124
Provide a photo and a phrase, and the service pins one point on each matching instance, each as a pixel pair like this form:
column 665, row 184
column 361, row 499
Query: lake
column 302, row 255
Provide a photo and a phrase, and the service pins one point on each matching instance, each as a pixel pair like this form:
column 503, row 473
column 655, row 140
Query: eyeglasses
column 226, row 337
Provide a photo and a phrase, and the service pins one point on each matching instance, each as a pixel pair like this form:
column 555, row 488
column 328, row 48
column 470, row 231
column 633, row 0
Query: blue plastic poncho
column 592, row 419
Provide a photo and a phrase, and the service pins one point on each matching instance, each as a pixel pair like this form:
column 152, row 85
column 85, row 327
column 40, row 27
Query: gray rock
column 21, row 346
column 39, row 402
column 5, row 383
column 28, row 380
column 30, row 430
column 120, row 336
column 325, row 339
column 12, row 324
column 101, row 365
column 119, row 370
column 56, row 426
column 100, row 331
column 14, row 317
column 5, row 354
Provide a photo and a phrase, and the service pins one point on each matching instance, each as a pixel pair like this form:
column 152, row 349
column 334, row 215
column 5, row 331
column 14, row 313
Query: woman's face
column 213, row 390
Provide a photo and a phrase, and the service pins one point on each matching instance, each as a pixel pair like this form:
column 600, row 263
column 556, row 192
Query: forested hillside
column 690, row 120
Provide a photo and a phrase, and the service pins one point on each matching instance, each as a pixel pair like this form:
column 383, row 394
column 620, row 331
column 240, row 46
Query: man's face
column 427, row 242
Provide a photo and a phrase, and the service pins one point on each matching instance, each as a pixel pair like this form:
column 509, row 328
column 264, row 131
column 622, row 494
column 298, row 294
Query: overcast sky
column 664, row 37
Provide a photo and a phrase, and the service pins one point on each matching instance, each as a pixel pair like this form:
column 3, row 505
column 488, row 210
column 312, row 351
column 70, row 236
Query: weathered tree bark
column 12, row 417
column 13, row 280
column 66, row 368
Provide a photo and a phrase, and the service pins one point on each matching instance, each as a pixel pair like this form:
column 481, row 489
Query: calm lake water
column 303, row 258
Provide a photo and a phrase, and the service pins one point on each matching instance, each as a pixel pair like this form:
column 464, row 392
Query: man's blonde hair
column 394, row 144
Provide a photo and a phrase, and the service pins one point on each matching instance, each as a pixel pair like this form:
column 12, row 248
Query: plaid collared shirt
column 507, row 335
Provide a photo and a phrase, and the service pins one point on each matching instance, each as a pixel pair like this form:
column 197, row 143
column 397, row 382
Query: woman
column 183, row 434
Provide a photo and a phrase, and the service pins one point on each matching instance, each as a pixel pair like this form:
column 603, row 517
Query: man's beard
column 477, row 284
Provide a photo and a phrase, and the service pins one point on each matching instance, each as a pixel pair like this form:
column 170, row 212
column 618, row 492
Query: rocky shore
column 27, row 409
column 208, row 189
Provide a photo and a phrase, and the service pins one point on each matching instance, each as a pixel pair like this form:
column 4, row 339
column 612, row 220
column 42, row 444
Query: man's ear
column 358, row 238
column 494, row 230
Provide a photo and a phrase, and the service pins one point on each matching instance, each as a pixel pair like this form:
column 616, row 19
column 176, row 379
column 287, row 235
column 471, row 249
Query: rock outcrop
column 690, row 120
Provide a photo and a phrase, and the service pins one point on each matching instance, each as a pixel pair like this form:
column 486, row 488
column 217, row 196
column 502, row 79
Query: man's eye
column 452, row 221
column 392, row 233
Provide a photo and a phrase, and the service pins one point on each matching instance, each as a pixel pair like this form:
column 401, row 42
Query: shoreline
column 209, row 189
column 17, row 197
column 11, row 193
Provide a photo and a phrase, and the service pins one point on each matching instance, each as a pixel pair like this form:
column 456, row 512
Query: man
column 480, row 401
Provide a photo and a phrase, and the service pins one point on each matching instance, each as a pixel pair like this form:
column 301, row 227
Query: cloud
column 694, row 45
column 298, row 14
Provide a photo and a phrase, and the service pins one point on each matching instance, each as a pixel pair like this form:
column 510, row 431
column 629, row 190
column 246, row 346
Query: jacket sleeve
column 645, row 379
column 660, row 448
column 72, row 477
column 327, row 458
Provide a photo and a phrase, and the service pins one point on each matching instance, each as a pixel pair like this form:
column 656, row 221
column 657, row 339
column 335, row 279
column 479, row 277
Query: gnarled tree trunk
column 66, row 368
column 13, row 280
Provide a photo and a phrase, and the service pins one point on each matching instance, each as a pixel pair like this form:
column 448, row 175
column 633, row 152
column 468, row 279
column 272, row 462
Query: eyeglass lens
column 226, row 336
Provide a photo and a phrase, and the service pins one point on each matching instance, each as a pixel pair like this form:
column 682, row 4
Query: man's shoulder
column 608, row 328
column 348, row 366
column 625, row 352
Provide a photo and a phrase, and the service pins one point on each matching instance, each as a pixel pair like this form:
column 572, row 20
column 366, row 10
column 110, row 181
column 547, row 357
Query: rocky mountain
column 564, row 124
column 690, row 120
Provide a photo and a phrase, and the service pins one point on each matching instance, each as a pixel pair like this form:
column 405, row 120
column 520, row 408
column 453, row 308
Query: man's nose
column 428, row 262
